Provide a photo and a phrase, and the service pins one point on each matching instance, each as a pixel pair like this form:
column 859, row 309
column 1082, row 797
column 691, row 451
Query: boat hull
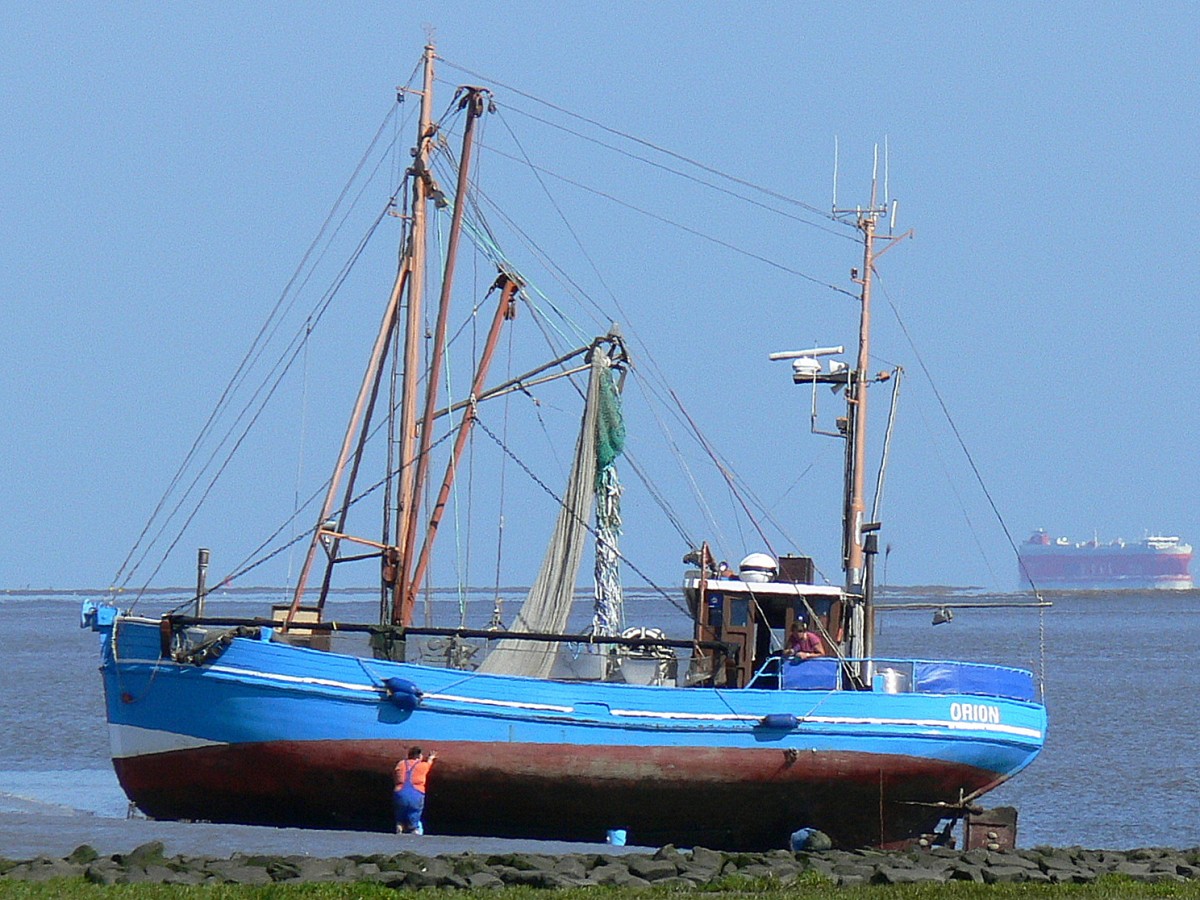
column 685, row 796
column 278, row 735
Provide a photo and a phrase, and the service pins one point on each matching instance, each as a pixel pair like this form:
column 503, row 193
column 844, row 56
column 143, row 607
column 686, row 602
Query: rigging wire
column 654, row 493
column 402, row 93
column 645, row 386
column 554, row 268
column 724, row 472
column 561, row 215
column 285, row 361
column 612, row 198
column 881, row 473
column 253, row 353
column 303, row 433
column 536, row 170
column 390, row 501
column 633, row 138
column 448, row 381
column 576, row 333
column 695, row 232
column 496, row 601
column 779, row 500
column 480, row 234
column 708, row 184
column 737, row 522
column 485, row 241
column 742, row 490
column 464, row 577
column 252, row 561
column 950, row 420
column 578, row 241
column 278, row 371
column 982, row 485
column 661, row 501
column 962, row 506
column 657, row 496
column 592, row 531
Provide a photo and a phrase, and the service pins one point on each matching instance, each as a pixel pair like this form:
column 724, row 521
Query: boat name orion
column 975, row 712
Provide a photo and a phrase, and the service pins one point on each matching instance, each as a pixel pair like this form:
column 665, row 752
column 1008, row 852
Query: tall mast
column 409, row 264
column 855, row 529
column 406, row 497
column 475, row 101
column 505, row 310
column 366, row 395
column 857, row 398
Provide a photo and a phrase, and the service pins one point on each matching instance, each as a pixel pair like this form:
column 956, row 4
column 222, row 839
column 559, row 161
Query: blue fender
column 403, row 693
column 785, row 721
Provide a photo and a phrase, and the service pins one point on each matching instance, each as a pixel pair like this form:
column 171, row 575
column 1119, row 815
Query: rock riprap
column 667, row 866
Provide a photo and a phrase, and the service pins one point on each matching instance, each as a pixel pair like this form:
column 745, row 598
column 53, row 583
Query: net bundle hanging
column 548, row 604
column 608, row 599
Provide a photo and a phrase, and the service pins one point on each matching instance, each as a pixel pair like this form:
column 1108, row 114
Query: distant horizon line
column 259, row 589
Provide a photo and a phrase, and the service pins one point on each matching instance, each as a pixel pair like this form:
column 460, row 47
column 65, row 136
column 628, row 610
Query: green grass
column 809, row 887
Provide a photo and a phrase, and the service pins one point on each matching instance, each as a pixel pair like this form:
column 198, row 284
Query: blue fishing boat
column 722, row 738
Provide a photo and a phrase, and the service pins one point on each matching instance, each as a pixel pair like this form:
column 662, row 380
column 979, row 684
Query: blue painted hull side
column 259, row 697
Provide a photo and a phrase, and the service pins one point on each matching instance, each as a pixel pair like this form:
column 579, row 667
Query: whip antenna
column 835, row 170
column 887, row 159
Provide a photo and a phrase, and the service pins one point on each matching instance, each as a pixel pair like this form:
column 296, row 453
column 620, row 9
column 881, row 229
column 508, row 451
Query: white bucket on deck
column 637, row 670
column 891, row 681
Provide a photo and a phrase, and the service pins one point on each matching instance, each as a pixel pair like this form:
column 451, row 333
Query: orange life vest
column 414, row 771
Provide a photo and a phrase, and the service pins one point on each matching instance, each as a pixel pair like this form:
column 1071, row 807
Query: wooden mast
column 473, row 101
column 370, row 379
column 406, row 497
column 409, row 263
column 855, row 529
column 856, row 582
column 857, row 398
column 505, row 310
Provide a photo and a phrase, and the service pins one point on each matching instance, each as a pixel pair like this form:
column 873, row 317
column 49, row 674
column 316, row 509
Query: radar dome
column 758, row 567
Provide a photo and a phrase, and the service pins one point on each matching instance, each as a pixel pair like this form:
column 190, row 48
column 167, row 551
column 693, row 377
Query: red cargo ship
column 1153, row 563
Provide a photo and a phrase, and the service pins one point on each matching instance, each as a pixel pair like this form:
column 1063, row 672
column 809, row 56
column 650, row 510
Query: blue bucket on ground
column 810, row 839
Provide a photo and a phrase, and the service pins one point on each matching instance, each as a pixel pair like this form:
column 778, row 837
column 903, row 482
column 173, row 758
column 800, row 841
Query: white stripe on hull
column 130, row 740
column 838, row 720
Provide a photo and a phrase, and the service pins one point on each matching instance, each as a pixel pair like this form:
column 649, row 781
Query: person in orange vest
column 408, row 791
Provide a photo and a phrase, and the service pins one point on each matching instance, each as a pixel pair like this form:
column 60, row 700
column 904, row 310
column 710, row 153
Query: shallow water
column 1120, row 675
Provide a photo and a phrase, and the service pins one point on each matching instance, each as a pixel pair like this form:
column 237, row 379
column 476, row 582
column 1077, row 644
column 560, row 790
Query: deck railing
column 897, row 676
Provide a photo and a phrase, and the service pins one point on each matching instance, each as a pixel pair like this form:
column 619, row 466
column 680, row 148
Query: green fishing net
column 610, row 424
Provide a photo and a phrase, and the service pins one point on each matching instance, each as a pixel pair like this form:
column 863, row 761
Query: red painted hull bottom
column 743, row 800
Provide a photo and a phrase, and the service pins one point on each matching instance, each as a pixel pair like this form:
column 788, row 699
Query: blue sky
column 164, row 167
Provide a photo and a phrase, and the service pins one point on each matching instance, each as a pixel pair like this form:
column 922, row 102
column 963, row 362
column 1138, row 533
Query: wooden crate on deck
column 297, row 634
